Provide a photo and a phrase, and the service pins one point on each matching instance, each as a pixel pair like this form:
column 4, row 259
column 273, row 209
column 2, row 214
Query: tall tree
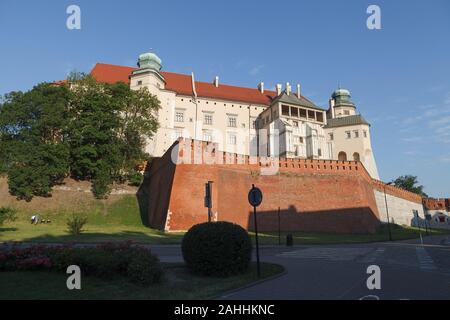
column 35, row 154
column 85, row 129
column 410, row 183
column 108, row 130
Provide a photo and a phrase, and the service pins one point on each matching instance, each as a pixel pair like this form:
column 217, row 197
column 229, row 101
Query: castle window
column 208, row 119
column 356, row 156
column 319, row 116
column 302, row 113
column 207, row 136
column 342, row 156
column 179, row 116
column 294, row 112
column 232, row 139
column 319, row 152
column 285, row 110
column 178, row 133
column 311, row 115
column 346, row 112
column 232, row 122
column 356, row 133
column 349, row 134
column 365, row 133
column 139, row 83
column 331, row 136
column 301, row 139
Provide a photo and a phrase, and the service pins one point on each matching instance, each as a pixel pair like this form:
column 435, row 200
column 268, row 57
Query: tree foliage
column 87, row 130
column 410, row 183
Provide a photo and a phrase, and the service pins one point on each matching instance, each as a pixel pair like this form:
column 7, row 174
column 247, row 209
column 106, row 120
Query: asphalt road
column 409, row 270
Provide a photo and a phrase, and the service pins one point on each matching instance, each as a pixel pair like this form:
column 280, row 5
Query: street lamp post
column 387, row 211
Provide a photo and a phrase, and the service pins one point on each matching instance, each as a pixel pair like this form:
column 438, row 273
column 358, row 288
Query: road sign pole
column 257, row 244
column 279, row 226
column 255, row 198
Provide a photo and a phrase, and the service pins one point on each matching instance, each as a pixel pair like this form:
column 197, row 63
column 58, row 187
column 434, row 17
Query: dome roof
column 149, row 60
column 342, row 97
column 341, row 92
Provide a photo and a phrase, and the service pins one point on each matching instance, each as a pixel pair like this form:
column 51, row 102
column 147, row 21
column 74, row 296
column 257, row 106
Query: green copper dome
column 342, row 96
column 341, row 93
column 150, row 60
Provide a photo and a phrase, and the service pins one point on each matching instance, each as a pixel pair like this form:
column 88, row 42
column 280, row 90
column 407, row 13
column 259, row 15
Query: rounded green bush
column 217, row 249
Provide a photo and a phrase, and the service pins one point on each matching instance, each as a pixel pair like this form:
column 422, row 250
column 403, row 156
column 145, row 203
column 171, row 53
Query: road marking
column 426, row 263
column 373, row 256
column 333, row 254
column 370, row 297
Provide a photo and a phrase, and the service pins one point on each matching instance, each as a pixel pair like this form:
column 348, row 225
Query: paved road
column 409, row 270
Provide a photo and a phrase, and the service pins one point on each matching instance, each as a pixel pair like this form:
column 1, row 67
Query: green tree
column 85, row 129
column 109, row 131
column 410, row 183
column 35, row 154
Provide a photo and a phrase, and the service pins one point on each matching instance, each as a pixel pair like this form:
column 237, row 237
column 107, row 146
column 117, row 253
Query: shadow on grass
column 152, row 237
column 8, row 229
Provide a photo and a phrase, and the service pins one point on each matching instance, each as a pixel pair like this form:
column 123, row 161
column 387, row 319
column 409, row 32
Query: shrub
column 76, row 224
column 101, row 185
column 135, row 178
column 217, row 249
column 137, row 264
column 144, row 268
column 7, row 214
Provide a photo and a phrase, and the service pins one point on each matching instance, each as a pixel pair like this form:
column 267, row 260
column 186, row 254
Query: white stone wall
column 361, row 145
column 401, row 211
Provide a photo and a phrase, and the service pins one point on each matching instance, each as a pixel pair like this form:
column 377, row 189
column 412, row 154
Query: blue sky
column 399, row 76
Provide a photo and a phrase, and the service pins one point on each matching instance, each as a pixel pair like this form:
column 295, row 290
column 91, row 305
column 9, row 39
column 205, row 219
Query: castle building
column 247, row 121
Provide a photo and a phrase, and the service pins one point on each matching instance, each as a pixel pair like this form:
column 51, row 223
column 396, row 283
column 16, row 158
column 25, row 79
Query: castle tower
column 148, row 75
column 348, row 133
column 341, row 104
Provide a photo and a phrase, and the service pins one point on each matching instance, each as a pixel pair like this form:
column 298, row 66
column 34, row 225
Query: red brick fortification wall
column 313, row 195
column 436, row 204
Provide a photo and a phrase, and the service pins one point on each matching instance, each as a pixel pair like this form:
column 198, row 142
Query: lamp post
column 387, row 211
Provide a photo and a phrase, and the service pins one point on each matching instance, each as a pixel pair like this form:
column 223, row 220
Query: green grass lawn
column 178, row 284
column 398, row 233
column 120, row 220
column 117, row 221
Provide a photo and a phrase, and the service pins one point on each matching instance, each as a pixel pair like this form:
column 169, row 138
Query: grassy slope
column 107, row 221
column 177, row 285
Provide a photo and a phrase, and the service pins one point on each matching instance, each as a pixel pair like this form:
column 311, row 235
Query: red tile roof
column 182, row 84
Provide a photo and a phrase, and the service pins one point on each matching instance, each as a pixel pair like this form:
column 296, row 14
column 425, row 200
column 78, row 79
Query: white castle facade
column 249, row 121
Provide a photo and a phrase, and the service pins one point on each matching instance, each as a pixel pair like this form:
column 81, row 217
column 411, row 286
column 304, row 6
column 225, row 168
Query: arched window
column 356, row 156
column 342, row 156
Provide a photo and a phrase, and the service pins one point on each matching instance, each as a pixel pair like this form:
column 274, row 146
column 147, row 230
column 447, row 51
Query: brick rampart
column 313, row 195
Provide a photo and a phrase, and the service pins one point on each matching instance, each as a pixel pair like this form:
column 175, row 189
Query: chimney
column 299, row 91
column 261, row 87
column 288, row 88
column 278, row 89
column 216, row 82
column 332, row 108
